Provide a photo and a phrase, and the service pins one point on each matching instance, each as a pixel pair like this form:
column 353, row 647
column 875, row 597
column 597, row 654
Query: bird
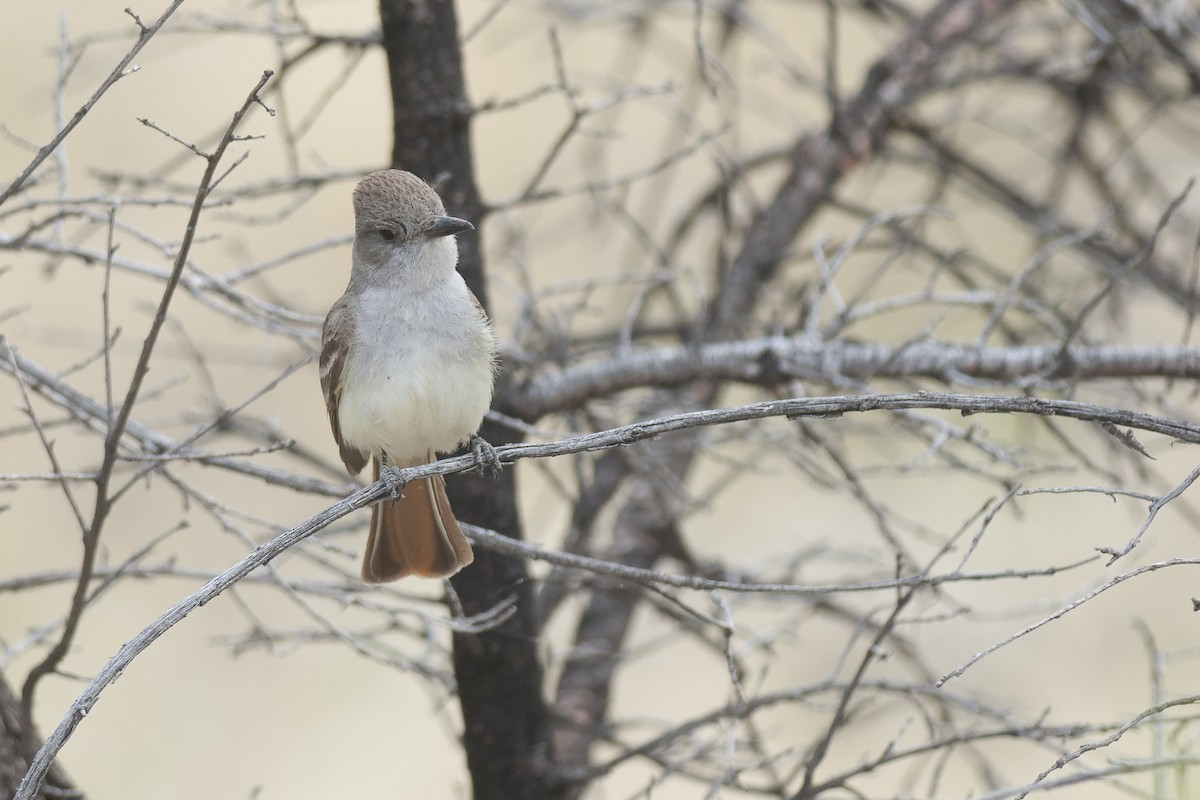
column 407, row 367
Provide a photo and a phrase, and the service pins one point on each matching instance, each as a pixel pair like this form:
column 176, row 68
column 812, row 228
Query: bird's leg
column 485, row 456
column 390, row 475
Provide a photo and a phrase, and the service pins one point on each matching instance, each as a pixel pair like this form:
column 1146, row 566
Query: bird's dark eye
column 386, row 234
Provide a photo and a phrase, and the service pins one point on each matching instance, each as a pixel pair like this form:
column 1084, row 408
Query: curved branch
column 616, row 437
column 817, row 407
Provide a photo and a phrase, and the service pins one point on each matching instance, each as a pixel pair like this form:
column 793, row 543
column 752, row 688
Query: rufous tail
column 415, row 534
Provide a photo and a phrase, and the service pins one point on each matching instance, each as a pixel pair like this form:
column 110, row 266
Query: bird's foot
column 485, row 456
column 391, row 476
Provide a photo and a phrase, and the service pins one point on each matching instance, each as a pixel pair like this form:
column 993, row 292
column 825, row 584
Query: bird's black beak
column 447, row 226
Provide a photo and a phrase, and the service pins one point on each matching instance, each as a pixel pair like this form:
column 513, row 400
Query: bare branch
column 120, row 71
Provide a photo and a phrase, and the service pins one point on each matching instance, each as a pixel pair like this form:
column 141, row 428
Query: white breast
column 419, row 373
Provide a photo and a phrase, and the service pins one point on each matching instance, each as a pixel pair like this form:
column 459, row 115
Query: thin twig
column 116, row 430
column 122, row 69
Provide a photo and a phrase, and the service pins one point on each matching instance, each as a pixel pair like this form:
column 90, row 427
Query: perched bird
column 407, row 366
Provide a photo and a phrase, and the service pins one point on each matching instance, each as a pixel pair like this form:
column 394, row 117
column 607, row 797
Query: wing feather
column 336, row 336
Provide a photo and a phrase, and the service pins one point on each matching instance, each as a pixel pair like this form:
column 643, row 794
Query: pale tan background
column 317, row 721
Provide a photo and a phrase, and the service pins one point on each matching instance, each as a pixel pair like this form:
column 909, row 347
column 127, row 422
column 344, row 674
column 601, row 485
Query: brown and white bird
column 407, row 367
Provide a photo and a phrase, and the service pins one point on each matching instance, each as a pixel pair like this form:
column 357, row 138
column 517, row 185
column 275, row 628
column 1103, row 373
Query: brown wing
column 336, row 336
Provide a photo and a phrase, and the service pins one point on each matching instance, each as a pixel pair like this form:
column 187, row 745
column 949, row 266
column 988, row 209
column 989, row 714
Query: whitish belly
column 406, row 404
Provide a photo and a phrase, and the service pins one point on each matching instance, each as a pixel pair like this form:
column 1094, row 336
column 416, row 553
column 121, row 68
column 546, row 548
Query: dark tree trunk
column 499, row 675
column 14, row 760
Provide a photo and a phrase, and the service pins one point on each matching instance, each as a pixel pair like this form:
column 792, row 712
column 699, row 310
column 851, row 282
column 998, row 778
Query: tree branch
column 116, row 428
column 616, row 437
column 145, row 34
column 767, row 362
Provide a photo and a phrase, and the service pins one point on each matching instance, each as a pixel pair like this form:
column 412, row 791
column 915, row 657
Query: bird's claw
column 391, row 476
column 485, row 456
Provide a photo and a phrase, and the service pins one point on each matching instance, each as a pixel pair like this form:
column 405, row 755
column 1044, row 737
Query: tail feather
column 416, row 534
